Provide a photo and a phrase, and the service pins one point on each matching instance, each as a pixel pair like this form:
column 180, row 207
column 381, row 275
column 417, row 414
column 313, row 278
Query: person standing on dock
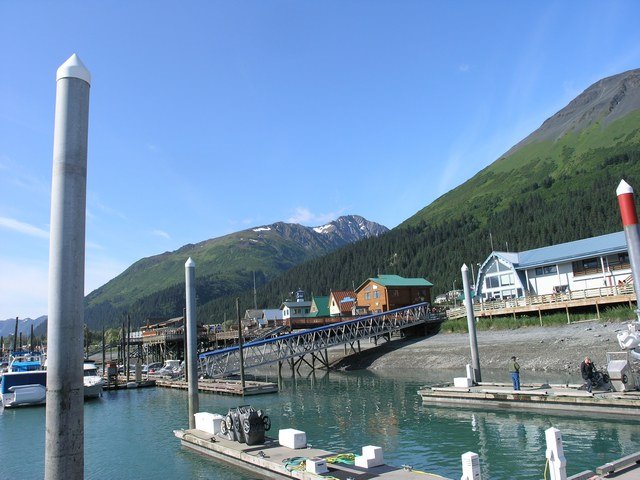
column 587, row 372
column 514, row 369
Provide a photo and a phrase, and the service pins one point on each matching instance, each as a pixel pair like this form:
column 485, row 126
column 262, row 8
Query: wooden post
column 240, row 344
column 568, row 319
column 540, row 315
column 597, row 310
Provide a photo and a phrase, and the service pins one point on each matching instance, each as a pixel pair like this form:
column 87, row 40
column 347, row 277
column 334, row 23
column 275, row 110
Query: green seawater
column 129, row 434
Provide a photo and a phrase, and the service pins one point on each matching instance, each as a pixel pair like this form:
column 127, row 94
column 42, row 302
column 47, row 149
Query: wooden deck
column 267, row 459
column 594, row 297
column 224, row 387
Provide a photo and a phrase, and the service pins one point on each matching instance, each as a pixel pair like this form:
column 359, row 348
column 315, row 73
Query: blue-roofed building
column 584, row 264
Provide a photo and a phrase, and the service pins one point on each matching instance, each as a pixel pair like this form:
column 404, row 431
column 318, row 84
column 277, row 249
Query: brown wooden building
column 388, row 292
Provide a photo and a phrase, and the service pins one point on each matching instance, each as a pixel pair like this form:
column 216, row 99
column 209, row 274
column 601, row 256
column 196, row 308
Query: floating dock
column 124, row 385
column 225, row 387
column 269, row 459
column 549, row 398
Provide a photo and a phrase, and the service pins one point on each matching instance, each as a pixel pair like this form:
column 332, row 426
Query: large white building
column 580, row 265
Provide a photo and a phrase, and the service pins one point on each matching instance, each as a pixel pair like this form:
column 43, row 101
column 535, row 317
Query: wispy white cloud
column 22, row 227
column 161, row 233
column 23, row 293
column 304, row 216
column 96, row 203
column 464, row 68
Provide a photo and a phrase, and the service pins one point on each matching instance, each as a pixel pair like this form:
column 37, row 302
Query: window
column 376, row 294
column 507, row 279
column 493, row 282
column 588, row 266
column 393, row 293
column 367, row 296
column 548, row 270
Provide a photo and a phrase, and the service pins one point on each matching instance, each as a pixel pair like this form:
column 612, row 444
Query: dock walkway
column 225, row 387
column 549, row 398
column 268, row 459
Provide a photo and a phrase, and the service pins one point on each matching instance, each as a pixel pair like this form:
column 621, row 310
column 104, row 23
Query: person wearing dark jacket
column 514, row 369
column 587, row 372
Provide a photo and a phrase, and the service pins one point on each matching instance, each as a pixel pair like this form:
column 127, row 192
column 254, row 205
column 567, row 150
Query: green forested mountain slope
column 154, row 286
column 556, row 185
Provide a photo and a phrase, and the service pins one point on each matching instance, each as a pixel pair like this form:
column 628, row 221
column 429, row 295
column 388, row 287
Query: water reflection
column 131, row 431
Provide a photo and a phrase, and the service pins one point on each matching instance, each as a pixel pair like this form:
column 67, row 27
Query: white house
column 298, row 309
column 580, row 265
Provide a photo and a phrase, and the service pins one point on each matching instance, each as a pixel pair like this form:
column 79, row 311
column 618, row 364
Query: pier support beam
column 471, row 324
column 64, row 439
column 192, row 341
column 629, row 215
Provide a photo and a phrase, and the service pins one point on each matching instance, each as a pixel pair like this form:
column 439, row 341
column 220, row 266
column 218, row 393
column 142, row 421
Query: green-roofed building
column 319, row 307
column 388, row 292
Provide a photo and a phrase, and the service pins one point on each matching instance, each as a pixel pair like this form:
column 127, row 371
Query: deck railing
column 550, row 299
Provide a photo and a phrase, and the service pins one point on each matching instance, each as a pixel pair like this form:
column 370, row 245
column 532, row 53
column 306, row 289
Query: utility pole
column 240, row 344
column 64, row 440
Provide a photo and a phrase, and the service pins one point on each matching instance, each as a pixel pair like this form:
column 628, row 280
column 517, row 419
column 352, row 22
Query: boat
column 93, row 382
column 171, row 369
column 26, row 362
column 23, row 388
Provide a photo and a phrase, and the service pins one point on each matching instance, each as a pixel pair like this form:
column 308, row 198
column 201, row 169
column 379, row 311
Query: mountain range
column 7, row 327
column 227, row 265
column 556, row 185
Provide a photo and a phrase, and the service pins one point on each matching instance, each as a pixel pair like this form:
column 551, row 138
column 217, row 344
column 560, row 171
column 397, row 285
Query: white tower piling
column 471, row 324
column 192, row 341
column 64, row 441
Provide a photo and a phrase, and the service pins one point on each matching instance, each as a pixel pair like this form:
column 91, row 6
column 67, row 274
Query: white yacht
column 93, row 382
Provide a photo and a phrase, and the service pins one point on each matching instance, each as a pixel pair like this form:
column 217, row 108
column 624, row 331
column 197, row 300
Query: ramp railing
column 226, row 361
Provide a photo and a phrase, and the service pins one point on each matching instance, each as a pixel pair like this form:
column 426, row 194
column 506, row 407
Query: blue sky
column 210, row 117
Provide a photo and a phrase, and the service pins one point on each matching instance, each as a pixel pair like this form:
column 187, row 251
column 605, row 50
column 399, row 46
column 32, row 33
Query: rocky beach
column 557, row 349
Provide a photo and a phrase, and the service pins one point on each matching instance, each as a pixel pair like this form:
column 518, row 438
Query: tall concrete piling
column 629, row 215
column 192, row 341
column 64, row 440
column 471, row 324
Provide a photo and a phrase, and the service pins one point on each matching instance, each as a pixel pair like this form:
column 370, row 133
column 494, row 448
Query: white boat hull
column 24, row 395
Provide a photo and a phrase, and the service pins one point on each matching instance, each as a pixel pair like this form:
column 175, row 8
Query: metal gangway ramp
column 313, row 342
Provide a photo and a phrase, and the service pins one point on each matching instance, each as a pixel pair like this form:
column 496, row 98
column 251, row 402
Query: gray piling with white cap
column 192, row 341
column 471, row 323
column 64, row 440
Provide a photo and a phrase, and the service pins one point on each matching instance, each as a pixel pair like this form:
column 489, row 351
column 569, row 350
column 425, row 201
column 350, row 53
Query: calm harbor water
column 130, row 433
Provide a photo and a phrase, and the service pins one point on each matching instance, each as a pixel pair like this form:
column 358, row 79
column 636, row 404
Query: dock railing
column 555, row 299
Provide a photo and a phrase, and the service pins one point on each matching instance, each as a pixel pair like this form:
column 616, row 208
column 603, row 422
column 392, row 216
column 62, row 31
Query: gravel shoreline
column 558, row 349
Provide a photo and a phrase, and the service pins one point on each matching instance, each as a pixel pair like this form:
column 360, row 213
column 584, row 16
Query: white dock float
column 267, row 459
column 561, row 399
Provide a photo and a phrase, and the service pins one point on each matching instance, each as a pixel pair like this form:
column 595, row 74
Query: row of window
column 376, row 294
column 503, row 280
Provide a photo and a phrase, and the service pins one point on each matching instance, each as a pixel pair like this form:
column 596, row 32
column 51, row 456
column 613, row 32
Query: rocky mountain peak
column 606, row 100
